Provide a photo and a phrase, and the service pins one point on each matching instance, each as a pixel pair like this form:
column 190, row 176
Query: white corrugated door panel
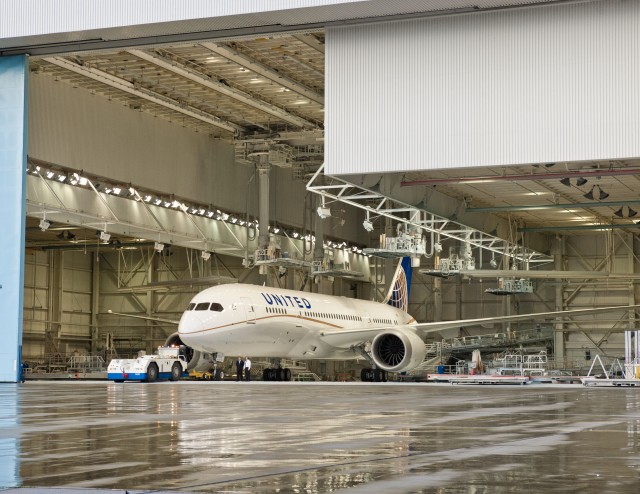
column 536, row 85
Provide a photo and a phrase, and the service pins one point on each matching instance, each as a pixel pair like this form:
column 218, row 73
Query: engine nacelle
column 398, row 350
column 196, row 360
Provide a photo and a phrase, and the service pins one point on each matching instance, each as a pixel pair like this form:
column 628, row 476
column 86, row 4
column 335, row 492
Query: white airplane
column 269, row 322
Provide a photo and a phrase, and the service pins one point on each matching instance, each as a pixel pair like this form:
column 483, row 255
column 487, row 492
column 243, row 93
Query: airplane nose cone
column 190, row 323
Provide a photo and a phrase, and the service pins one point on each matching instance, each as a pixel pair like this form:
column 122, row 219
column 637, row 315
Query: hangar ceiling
column 271, row 88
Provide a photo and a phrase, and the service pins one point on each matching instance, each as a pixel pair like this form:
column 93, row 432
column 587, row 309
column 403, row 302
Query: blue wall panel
column 13, row 157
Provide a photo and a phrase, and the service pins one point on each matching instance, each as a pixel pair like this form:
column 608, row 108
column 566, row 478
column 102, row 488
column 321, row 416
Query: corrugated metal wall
column 544, row 84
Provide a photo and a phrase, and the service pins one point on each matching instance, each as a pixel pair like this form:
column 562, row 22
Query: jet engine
column 398, row 350
column 196, row 360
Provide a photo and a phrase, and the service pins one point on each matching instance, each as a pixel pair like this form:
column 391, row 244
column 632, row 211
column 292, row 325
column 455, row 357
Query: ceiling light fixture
column 105, row 237
column 44, row 224
column 589, row 195
column 619, row 213
column 158, row 247
column 581, row 181
column 206, row 255
column 565, row 181
column 367, row 224
column 323, row 210
column 632, row 212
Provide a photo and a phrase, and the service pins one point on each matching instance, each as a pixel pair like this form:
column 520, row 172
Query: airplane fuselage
column 269, row 322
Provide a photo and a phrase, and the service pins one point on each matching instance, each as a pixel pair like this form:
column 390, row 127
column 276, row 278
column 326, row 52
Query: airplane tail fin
column 398, row 295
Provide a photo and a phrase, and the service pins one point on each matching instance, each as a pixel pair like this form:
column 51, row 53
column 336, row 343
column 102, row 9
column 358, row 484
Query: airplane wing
column 146, row 318
column 432, row 327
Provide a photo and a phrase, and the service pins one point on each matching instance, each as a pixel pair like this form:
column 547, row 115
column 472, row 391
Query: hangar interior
column 155, row 170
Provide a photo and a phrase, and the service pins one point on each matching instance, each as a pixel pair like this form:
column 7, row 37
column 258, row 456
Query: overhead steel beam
column 362, row 198
column 540, row 207
column 546, row 274
column 264, row 71
column 128, row 87
column 578, row 228
column 236, row 94
column 310, row 40
column 517, row 178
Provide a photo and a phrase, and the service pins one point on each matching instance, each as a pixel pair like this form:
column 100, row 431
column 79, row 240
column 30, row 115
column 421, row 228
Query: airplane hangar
column 148, row 152
column 163, row 157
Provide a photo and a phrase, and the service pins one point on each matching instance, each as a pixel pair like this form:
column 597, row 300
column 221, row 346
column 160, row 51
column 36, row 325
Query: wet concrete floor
column 318, row 437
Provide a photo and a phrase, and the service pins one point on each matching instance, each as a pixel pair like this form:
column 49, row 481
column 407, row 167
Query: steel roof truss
column 128, row 87
column 236, row 94
column 356, row 196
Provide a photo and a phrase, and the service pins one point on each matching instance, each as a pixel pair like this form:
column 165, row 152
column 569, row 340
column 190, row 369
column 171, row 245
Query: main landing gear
column 370, row 374
column 277, row 374
column 373, row 375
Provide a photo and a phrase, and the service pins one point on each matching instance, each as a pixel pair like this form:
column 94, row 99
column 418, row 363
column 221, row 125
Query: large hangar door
column 520, row 86
column 13, row 154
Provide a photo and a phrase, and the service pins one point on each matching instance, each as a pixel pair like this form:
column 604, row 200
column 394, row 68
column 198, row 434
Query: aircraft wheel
column 277, row 374
column 377, row 375
column 367, row 375
column 286, row 374
column 152, row 373
column 219, row 375
column 176, row 371
column 266, row 375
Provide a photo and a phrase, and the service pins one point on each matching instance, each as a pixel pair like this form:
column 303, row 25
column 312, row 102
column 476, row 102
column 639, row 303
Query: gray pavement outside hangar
column 83, row 437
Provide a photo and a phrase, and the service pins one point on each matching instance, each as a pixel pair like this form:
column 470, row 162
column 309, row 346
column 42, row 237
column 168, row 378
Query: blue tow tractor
column 167, row 363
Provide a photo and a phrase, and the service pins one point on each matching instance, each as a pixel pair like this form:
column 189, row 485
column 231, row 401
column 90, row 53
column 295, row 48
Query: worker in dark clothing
column 239, row 369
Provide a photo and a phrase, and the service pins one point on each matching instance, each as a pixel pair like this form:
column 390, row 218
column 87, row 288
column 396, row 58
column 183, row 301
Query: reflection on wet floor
column 319, row 437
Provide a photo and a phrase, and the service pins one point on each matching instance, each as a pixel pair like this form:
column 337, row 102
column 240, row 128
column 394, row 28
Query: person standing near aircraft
column 239, row 369
column 247, row 369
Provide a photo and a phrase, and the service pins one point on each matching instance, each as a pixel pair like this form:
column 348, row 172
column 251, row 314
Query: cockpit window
column 191, row 306
column 217, row 307
column 202, row 306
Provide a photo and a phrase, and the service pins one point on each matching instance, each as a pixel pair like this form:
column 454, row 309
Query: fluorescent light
column 117, row 190
column 50, row 174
